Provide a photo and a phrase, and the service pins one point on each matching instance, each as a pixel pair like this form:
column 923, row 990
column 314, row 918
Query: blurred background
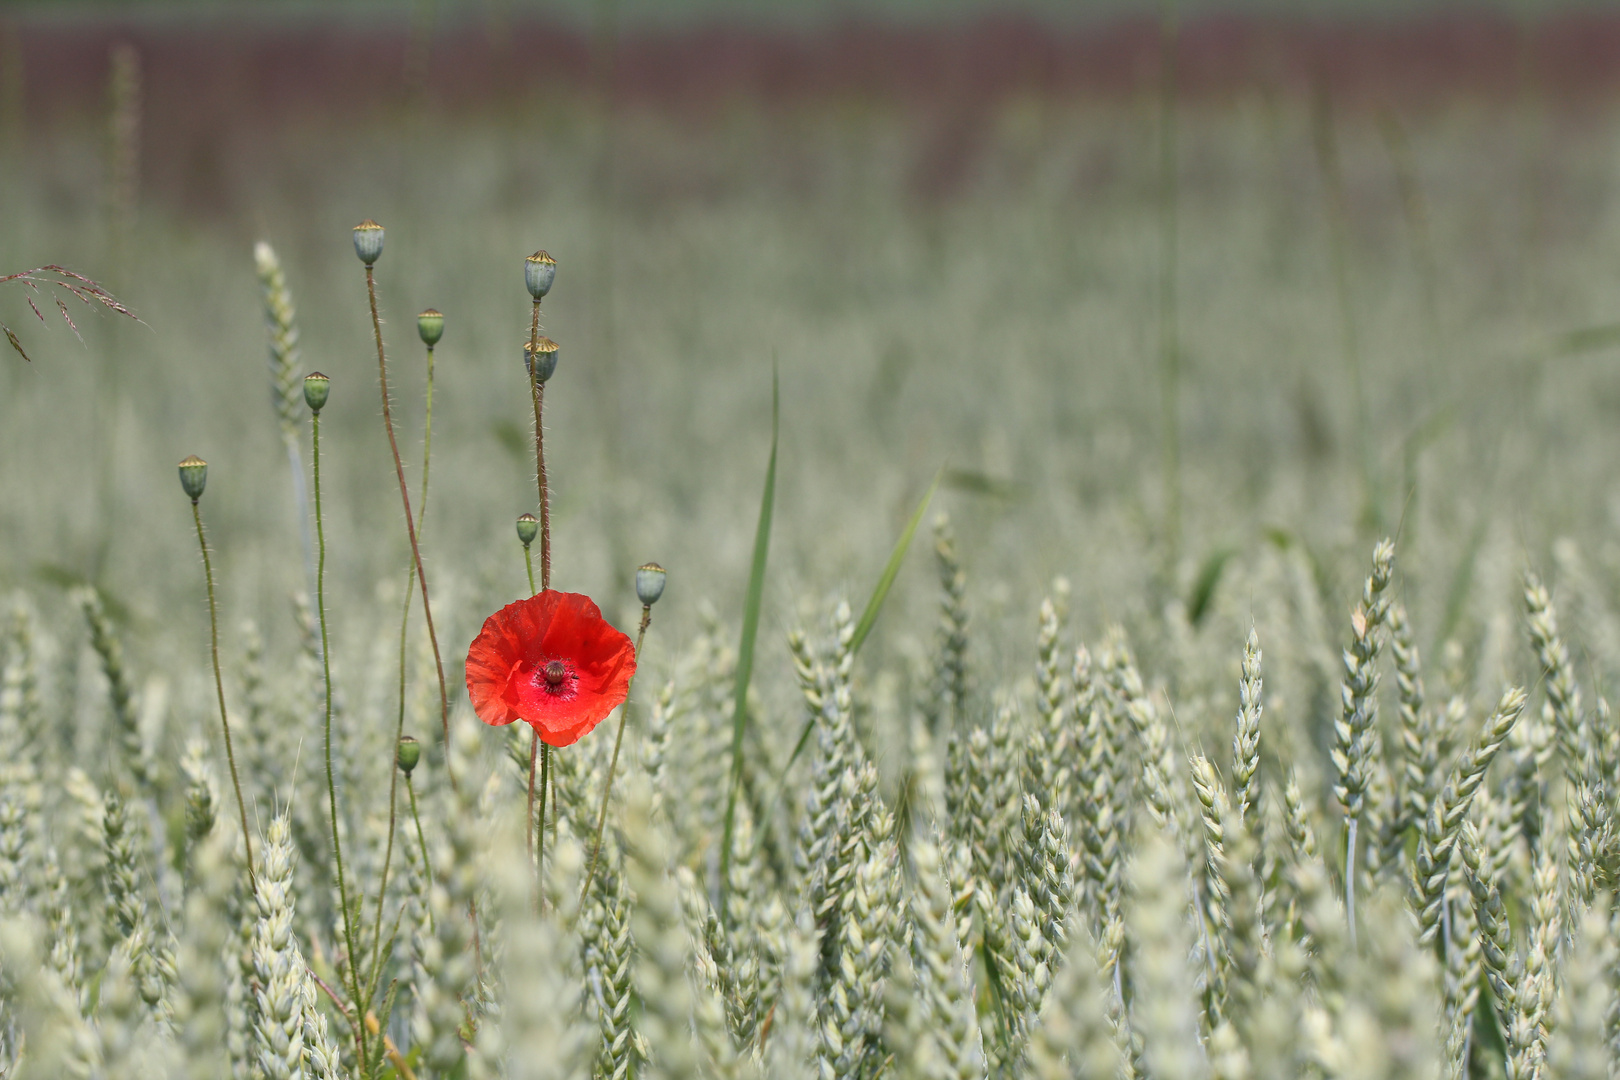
column 1185, row 304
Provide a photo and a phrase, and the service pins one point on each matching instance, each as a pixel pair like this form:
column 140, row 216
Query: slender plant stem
column 421, row 837
column 538, row 391
column 410, row 525
column 399, row 725
column 534, row 757
column 326, row 675
column 219, row 688
column 613, row 762
column 540, row 831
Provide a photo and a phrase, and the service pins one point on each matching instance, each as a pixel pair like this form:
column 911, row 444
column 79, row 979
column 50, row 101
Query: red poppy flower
column 551, row 661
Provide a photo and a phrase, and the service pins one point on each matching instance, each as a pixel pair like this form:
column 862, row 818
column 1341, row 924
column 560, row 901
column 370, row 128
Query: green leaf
column 875, row 604
column 1209, row 578
column 978, row 483
column 750, row 631
column 896, row 557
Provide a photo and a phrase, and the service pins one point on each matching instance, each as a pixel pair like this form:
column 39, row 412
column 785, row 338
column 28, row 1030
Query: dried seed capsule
column 649, row 583
column 194, row 476
column 368, row 241
column 528, row 527
column 409, row 753
column 317, row 388
column 430, row 324
column 539, row 271
column 542, row 363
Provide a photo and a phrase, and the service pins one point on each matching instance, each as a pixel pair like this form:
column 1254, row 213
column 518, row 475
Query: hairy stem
column 219, row 687
column 538, row 391
column 326, row 674
column 410, row 525
column 399, row 725
column 540, row 830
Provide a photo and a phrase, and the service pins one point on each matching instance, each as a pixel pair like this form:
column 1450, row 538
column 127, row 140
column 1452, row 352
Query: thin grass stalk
column 219, row 683
column 410, row 524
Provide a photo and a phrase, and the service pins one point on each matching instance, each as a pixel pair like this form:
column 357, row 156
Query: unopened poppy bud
column 542, row 362
column 317, row 388
column 368, row 241
column 528, row 527
column 430, row 324
column 410, row 752
column 539, row 271
column 649, row 584
column 194, row 476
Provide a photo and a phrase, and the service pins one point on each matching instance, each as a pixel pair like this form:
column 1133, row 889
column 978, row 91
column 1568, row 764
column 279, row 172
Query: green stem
column 613, row 763
column 219, row 688
column 540, row 832
column 421, row 837
column 326, row 674
column 534, row 756
column 410, row 525
column 528, row 564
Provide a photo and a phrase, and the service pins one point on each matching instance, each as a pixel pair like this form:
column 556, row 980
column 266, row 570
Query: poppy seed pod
column 368, row 241
column 317, row 388
column 430, row 324
column 528, row 527
column 409, row 753
column 649, row 583
column 194, row 476
column 542, row 364
column 539, row 271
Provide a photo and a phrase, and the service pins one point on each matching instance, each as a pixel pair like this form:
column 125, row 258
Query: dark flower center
column 555, row 672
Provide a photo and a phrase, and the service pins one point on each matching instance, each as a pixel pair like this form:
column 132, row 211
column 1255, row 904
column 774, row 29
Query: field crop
column 1238, row 708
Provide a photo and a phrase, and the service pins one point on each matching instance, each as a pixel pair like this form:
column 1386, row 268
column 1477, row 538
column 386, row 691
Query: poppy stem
column 540, row 832
column 326, row 674
column 410, row 525
column 613, row 763
column 219, row 688
column 421, row 838
column 538, row 391
column 528, row 564
column 534, row 756
column 399, row 725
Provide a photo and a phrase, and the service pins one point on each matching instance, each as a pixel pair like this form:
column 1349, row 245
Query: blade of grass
column 896, row 557
column 875, row 604
column 745, row 648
